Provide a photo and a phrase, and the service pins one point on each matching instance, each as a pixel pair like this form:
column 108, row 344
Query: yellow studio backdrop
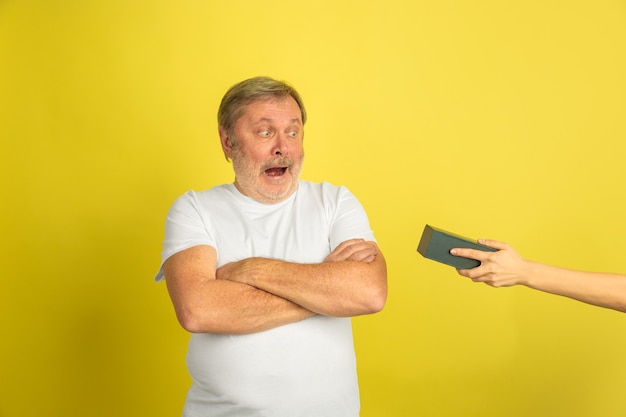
column 492, row 119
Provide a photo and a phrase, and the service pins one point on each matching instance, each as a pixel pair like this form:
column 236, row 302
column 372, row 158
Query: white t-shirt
column 303, row 369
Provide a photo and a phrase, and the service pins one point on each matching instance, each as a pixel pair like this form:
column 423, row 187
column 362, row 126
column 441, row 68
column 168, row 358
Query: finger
column 357, row 250
column 462, row 272
column 493, row 244
column 345, row 248
column 347, row 243
column 364, row 255
column 473, row 273
column 355, row 246
column 479, row 255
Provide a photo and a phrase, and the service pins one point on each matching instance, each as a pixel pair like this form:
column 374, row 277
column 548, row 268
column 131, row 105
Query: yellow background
column 492, row 119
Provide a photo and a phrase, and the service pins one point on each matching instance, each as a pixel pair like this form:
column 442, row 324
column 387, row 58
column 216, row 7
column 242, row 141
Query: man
column 266, row 272
column 506, row 268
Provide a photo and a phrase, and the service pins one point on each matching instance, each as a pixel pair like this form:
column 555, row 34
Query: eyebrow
column 267, row 119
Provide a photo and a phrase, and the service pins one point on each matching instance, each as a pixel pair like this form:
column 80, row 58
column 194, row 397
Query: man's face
column 267, row 153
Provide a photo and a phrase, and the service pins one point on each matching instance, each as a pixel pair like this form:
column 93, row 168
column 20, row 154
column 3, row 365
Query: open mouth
column 275, row 171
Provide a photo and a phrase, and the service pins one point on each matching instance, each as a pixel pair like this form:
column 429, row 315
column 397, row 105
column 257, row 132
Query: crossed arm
column 506, row 268
column 257, row 294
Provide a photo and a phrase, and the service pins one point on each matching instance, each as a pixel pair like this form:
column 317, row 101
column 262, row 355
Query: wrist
column 528, row 273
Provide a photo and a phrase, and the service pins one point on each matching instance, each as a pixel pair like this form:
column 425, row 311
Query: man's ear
column 227, row 144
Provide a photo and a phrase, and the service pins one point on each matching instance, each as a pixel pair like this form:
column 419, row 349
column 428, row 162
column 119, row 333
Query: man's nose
column 280, row 145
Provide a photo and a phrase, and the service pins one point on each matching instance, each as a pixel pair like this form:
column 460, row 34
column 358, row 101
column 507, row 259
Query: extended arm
column 204, row 304
column 351, row 281
column 506, row 268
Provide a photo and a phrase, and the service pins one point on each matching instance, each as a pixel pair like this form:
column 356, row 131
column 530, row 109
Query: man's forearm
column 339, row 289
column 234, row 308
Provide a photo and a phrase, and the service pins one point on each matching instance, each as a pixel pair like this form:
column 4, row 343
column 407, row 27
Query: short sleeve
column 350, row 219
column 186, row 226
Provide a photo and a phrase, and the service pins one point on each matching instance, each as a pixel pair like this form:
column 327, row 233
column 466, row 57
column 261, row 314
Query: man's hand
column 353, row 250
